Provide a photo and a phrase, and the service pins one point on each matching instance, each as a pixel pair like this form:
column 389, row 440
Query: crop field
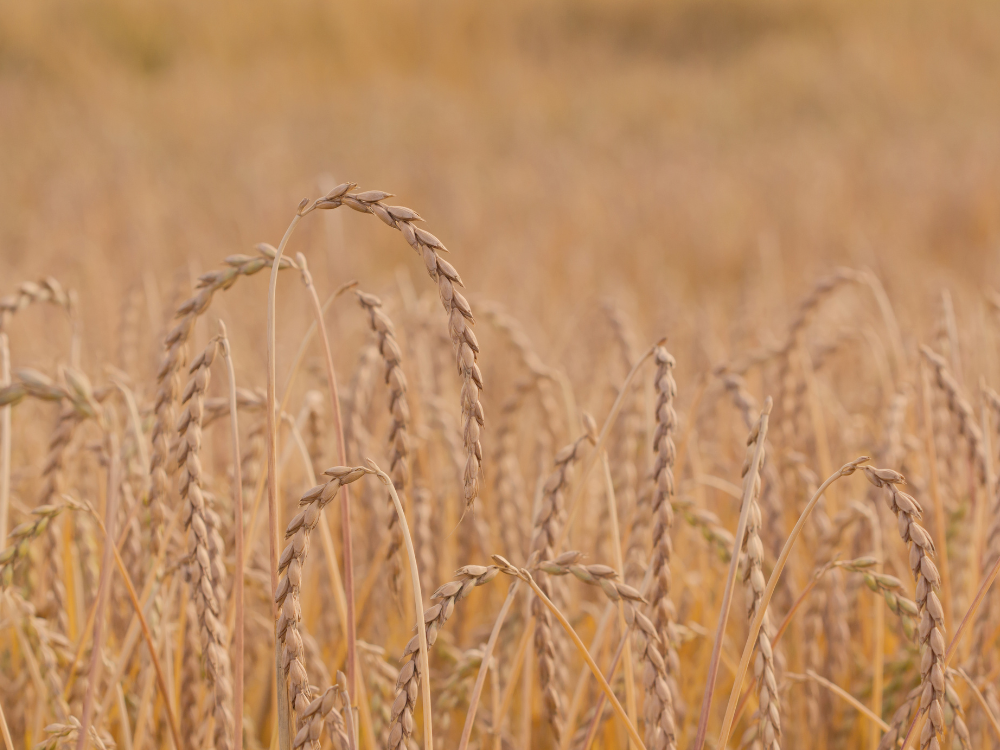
column 563, row 374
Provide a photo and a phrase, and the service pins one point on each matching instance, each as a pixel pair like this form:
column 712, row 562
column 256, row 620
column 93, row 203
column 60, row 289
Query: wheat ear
column 931, row 632
column 399, row 411
column 432, row 620
column 288, row 595
column 460, row 318
column 769, row 702
column 660, row 656
column 524, row 575
column 547, row 528
column 208, row 570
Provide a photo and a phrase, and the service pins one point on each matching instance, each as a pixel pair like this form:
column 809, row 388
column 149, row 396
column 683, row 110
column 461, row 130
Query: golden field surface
column 686, row 259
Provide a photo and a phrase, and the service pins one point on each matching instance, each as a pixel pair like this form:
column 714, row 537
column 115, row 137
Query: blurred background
column 665, row 154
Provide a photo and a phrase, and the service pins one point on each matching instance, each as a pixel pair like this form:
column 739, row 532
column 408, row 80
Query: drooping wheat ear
column 660, row 655
column 175, row 356
column 603, row 576
column 288, row 597
column 769, row 713
column 207, row 570
column 547, row 527
column 460, row 319
column 959, row 406
column 930, row 633
column 46, row 290
column 408, row 682
column 399, row 436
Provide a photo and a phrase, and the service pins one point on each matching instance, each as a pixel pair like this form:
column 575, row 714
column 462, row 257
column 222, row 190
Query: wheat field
column 566, row 374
